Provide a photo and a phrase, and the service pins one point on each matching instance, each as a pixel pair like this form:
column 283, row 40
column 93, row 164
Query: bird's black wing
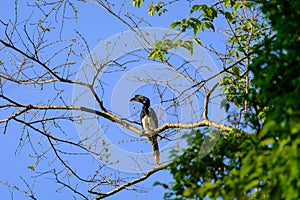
column 153, row 139
column 153, row 117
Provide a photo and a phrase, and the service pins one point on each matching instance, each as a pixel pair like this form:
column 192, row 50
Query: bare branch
column 206, row 100
column 130, row 183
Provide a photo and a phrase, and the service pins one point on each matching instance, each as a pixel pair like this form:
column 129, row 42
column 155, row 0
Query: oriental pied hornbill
column 149, row 124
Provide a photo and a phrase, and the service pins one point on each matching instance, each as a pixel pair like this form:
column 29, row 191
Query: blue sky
column 94, row 24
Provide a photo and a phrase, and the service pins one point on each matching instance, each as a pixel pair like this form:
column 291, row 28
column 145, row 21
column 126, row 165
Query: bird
column 149, row 123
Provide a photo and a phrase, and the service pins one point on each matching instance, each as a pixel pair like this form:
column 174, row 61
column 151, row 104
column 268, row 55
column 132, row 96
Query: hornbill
column 149, row 124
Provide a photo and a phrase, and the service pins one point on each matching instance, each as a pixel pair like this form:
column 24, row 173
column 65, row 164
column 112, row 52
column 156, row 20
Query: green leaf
column 228, row 16
column 165, row 186
column 156, row 8
column 198, row 41
column 195, row 20
column 225, row 105
column 31, row 167
column 208, row 25
column 195, row 24
column 137, row 3
column 251, row 185
column 178, row 43
column 156, row 183
column 236, row 70
column 175, row 24
column 195, row 8
column 187, row 192
column 226, row 3
column 237, row 5
column 189, row 45
column 267, row 141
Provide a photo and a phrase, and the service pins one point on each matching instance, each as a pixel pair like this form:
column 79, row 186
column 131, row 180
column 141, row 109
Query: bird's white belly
column 148, row 124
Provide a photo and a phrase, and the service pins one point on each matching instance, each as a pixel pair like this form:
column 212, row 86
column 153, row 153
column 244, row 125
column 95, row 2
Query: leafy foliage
column 198, row 177
column 137, row 3
column 156, row 9
column 202, row 22
column 161, row 47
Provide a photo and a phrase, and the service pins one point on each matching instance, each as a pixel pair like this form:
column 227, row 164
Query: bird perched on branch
column 149, row 124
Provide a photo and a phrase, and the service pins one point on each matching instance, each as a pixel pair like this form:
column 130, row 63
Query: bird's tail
column 155, row 149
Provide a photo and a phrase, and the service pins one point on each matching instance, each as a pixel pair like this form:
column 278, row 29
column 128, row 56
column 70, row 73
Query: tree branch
column 126, row 185
column 206, row 100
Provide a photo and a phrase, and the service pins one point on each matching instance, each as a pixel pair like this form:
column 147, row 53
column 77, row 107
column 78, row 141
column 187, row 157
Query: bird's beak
column 133, row 99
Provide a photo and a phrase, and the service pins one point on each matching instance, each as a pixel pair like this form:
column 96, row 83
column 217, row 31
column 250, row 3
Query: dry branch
column 130, row 183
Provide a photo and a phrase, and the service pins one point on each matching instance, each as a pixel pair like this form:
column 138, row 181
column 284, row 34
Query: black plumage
column 149, row 123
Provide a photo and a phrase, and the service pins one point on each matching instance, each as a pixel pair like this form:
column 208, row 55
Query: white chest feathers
column 148, row 124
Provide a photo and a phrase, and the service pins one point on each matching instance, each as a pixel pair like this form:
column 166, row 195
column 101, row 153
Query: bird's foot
column 144, row 133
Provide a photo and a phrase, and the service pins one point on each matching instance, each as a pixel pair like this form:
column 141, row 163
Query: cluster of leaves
column 161, row 47
column 202, row 22
column 277, row 79
column 276, row 66
column 234, row 87
column 153, row 8
column 241, row 166
column 216, row 174
column 156, row 8
column 137, row 3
